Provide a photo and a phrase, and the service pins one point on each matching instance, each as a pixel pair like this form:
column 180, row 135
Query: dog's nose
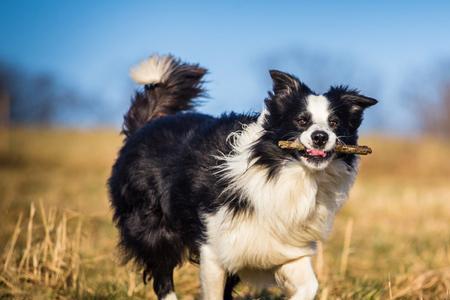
column 319, row 138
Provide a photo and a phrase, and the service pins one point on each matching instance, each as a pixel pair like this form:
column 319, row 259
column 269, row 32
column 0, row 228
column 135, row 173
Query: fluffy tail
column 170, row 86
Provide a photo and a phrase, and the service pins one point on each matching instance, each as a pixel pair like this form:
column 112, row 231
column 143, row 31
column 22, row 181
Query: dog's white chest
column 248, row 242
column 288, row 215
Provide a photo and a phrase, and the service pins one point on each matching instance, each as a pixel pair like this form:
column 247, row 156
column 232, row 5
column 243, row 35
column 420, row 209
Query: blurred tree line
column 40, row 99
column 432, row 100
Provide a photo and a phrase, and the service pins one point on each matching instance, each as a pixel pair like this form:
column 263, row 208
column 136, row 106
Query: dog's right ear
column 284, row 86
column 283, row 82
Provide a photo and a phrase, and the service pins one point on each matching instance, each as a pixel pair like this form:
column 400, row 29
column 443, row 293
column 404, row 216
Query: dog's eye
column 302, row 121
column 334, row 123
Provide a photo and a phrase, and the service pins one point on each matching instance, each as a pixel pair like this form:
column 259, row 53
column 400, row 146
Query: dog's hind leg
column 232, row 281
column 161, row 260
column 163, row 284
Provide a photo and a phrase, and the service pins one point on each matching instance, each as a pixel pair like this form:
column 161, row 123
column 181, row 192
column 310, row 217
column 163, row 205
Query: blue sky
column 90, row 45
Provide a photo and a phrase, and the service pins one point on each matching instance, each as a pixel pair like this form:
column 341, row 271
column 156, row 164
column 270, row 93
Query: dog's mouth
column 317, row 155
column 314, row 156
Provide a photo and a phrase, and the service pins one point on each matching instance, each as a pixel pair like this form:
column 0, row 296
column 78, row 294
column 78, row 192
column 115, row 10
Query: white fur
column 212, row 275
column 170, row 296
column 297, row 279
column 291, row 211
column 318, row 106
column 155, row 69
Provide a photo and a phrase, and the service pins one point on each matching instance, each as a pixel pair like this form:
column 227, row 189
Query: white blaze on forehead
column 318, row 106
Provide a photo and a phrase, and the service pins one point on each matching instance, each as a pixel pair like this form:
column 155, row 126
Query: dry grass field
column 391, row 240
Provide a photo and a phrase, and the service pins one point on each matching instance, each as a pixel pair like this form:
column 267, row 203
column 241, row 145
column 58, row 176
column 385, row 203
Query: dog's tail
column 170, row 86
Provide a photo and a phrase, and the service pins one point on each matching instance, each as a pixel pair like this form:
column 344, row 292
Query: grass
column 391, row 240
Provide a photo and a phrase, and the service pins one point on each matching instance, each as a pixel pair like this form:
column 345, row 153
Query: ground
column 390, row 241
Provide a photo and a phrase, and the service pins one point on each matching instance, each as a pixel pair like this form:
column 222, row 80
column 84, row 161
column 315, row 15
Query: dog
column 219, row 192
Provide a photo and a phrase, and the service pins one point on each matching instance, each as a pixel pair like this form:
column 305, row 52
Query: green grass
column 399, row 242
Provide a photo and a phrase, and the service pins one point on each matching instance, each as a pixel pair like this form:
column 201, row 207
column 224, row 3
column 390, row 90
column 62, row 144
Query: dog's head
column 319, row 122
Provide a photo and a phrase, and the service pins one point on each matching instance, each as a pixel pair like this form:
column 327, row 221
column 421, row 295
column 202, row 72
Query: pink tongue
column 316, row 152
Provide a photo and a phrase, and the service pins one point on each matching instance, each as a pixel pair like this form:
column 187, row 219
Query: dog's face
column 319, row 122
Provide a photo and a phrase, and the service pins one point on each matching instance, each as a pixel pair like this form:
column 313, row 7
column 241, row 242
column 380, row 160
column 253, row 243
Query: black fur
column 230, row 284
column 176, row 93
column 163, row 180
column 162, row 183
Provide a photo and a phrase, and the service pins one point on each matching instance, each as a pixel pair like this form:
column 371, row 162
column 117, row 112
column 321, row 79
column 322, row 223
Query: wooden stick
column 346, row 149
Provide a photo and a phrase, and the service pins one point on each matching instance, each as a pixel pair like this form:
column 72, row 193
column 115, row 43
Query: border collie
column 218, row 191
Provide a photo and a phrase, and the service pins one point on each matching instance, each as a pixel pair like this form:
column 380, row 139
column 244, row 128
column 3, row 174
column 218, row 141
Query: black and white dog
column 220, row 192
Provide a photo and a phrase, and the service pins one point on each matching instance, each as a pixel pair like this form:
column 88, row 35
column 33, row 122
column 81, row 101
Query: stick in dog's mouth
column 346, row 149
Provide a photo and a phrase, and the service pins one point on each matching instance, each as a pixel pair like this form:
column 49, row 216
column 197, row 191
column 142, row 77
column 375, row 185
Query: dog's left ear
column 358, row 103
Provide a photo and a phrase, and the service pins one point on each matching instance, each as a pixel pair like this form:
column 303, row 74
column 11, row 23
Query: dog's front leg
column 297, row 278
column 212, row 275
